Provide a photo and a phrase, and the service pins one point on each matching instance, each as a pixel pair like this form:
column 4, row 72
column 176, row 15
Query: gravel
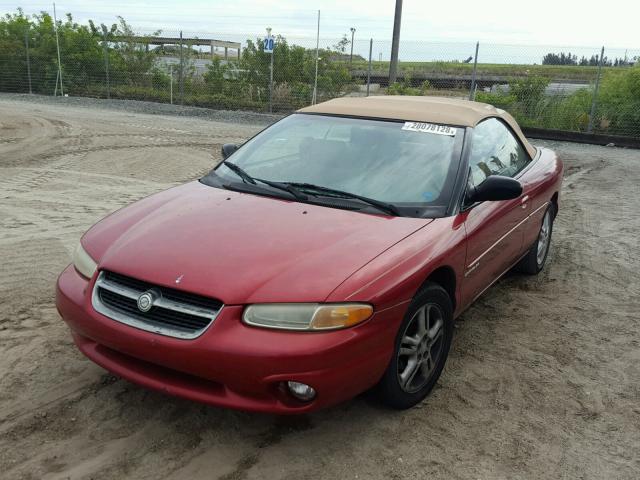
column 136, row 106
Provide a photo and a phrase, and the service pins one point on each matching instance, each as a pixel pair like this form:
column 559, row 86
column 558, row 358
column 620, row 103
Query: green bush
column 405, row 88
column 222, row 102
column 619, row 102
column 617, row 112
column 215, row 76
column 569, row 113
column 529, row 93
column 293, row 64
column 498, row 100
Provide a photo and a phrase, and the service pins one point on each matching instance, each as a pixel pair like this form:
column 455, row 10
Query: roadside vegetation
column 135, row 71
column 557, row 72
column 138, row 72
column 617, row 107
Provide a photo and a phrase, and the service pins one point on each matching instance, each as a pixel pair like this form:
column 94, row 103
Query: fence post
column 271, row 81
column 472, row 91
column 369, row 69
column 594, row 102
column 314, row 97
column 181, row 78
column 106, row 59
column 171, row 84
column 26, row 45
column 55, row 27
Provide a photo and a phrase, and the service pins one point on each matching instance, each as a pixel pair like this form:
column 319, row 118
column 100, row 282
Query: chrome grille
column 173, row 312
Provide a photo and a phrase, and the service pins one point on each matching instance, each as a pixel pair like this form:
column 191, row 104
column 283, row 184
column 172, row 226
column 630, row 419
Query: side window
column 495, row 151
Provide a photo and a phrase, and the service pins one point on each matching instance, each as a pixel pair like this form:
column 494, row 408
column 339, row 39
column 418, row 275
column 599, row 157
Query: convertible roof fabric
column 438, row 110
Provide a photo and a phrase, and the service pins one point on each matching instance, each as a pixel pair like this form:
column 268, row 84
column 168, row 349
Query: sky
column 543, row 22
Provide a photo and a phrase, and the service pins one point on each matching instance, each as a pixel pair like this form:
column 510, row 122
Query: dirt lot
column 543, row 380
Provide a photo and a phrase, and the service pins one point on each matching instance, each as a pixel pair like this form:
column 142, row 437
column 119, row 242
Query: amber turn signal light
column 340, row 316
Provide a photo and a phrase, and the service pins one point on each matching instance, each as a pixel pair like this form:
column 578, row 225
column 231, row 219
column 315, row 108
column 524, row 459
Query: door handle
column 524, row 201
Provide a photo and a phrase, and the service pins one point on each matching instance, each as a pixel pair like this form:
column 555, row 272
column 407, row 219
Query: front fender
column 396, row 275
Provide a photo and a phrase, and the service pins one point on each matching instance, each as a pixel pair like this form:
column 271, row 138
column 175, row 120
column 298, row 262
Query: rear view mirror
column 495, row 188
column 228, row 149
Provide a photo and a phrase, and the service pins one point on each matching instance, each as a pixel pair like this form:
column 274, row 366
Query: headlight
column 306, row 316
column 83, row 262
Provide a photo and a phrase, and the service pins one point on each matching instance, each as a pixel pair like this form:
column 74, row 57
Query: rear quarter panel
column 541, row 182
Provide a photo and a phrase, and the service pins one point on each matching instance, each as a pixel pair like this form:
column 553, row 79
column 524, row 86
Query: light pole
column 353, row 32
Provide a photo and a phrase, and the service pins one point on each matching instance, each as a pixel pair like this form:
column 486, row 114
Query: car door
column 494, row 230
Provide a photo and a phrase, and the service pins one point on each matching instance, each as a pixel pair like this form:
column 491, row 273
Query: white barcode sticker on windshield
column 429, row 128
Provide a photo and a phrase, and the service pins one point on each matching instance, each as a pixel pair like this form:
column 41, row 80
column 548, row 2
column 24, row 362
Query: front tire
column 421, row 349
column 536, row 258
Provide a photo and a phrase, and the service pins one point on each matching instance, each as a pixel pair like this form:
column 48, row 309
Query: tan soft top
column 438, row 110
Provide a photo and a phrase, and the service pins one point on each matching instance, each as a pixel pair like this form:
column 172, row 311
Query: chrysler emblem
column 145, row 301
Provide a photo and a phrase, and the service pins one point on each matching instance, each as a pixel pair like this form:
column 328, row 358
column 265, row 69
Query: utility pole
column 353, row 32
column 395, row 45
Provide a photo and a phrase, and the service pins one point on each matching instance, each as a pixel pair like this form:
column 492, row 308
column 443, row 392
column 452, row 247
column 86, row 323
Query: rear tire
column 421, row 349
column 537, row 255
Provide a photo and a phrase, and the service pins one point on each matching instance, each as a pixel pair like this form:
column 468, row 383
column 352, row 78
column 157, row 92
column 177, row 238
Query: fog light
column 301, row 391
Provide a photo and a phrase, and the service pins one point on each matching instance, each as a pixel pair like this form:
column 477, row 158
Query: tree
column 134, row 71
column 215, row 76
column 294, row 66
column 560, row 59
column 342, row 45
column 132, row 61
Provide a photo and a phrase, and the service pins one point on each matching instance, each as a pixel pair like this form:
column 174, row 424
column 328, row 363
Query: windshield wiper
column 294, row 189
column 253, row 180
column 309, row 187
column 239, row 171
column 287, row 187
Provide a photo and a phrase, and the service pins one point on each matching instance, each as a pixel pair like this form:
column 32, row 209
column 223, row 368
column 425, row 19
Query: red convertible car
column 327, row 255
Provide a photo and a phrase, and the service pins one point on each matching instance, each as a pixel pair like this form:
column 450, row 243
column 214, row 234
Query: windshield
column 401, row 163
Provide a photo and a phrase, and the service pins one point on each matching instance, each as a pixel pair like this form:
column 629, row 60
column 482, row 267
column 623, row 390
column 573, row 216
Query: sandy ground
column 543, row 380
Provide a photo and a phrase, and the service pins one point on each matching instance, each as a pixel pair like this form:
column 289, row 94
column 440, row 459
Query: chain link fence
column 564, row 89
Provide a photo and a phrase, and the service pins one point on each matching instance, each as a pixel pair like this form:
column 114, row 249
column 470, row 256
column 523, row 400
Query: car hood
column 240, row 247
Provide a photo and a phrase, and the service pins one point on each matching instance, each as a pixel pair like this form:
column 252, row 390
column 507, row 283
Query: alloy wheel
column 544, row 238
column 420, row 348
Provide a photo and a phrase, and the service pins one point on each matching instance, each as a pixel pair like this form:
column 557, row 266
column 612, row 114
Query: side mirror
column 228, row 149
column 495, row 188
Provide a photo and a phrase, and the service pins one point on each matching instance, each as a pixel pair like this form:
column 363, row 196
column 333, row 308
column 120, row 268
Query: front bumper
column 231, row 364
